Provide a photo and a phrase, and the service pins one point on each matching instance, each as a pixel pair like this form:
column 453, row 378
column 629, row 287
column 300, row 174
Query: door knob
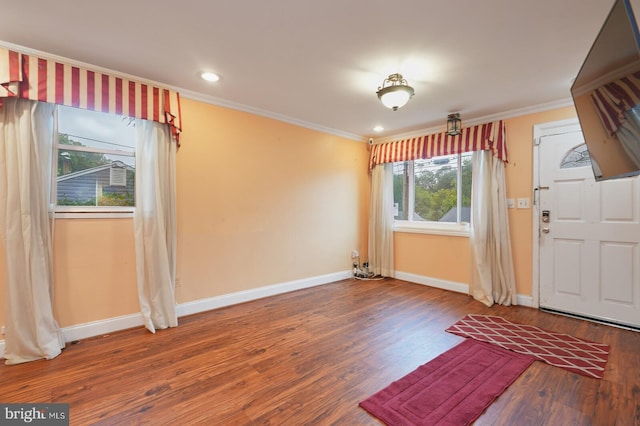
column 545, row 230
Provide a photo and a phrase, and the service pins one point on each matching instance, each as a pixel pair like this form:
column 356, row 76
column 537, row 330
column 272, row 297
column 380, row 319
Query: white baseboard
column 110, row 325
column 433, row 282
column 208, row 304
column 102, row 327
column 522, row 300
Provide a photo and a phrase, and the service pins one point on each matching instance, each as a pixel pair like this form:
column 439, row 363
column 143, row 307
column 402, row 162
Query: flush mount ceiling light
column 454, row 124
column 395, row 92
column 209, row 76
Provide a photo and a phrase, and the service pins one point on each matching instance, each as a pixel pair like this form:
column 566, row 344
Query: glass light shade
column 395, row 97
column 209, row 76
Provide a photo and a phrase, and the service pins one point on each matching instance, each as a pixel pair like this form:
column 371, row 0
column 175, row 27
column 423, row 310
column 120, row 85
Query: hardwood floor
column 308, row 357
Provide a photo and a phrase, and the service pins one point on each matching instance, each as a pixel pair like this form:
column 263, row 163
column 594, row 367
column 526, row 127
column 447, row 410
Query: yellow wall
column 432, row 256
column 447, row 258
column 95, row 270
column 263, row 202
column 260, row 202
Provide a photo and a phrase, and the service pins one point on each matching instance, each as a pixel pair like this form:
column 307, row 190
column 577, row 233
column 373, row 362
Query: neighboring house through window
column 95, row 155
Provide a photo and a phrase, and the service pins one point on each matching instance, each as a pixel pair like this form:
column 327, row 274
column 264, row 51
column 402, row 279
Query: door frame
column 539, row 131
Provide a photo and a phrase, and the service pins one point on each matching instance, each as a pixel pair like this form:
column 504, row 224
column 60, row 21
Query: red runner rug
column 452, row 389
column 557, row 349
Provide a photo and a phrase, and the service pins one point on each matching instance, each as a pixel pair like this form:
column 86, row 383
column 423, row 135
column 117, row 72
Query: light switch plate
column 511, row 203
column 523, row 203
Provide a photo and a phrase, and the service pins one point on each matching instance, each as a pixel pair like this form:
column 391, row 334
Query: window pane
column 401, row 190
column 96, row 159
column 428, row 190
column 435, row 197
column 465, row 214
column 577, row 157
column 436, row 189
column 90, row 179
column 96, row 129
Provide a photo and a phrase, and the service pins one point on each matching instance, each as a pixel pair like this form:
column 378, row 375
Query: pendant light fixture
column 454, row 124
column 395, row 92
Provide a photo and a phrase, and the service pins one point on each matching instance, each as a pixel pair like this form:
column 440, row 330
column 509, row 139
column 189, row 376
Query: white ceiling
column 319, row 63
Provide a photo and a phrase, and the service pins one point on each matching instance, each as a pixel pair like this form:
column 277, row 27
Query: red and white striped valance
column 489, row 136
column 613, row 99
column 45, row 80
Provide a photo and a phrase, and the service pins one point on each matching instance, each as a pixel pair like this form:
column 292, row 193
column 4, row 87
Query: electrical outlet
column 523, row 203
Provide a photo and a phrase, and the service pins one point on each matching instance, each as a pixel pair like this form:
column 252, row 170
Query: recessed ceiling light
column 378, row 129
column 209, row 76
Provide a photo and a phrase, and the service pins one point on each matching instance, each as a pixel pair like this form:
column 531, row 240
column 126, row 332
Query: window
column 577, row 157
column 96, row 164
column 434, row 193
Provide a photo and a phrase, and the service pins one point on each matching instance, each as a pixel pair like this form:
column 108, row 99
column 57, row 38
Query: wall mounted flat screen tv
column 606, row 94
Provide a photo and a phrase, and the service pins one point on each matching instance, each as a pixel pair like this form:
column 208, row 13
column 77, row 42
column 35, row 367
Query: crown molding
column 200, row 97
column 517, row 112
column 212, row 100
column 187, row 94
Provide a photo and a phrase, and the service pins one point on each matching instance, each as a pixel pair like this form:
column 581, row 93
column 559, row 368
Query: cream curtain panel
column 155, row 224
column 492, row 275
column 381, row 221
column 26, row 135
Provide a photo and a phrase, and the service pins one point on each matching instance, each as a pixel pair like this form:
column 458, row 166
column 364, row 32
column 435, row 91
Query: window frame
column 83, row 212
column 459, row 228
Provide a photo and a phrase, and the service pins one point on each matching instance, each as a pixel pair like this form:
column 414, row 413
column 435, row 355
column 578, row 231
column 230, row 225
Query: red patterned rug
column 557, row 349
column 452, row 389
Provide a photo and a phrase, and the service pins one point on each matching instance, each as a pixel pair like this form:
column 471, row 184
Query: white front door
column 589, row 248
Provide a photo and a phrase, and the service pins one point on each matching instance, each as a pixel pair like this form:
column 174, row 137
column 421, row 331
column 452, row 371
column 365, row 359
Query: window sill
column 93, row 215
column 433, row 228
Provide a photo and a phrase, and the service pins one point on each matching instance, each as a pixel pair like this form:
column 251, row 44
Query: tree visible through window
column 433, row 190
column 95, row 160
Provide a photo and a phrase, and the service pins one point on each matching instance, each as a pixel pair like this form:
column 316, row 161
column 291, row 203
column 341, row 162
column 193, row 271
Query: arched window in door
column 576, row 157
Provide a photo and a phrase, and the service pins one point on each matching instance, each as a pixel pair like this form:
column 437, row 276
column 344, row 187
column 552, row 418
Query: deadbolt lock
column 545, row 216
